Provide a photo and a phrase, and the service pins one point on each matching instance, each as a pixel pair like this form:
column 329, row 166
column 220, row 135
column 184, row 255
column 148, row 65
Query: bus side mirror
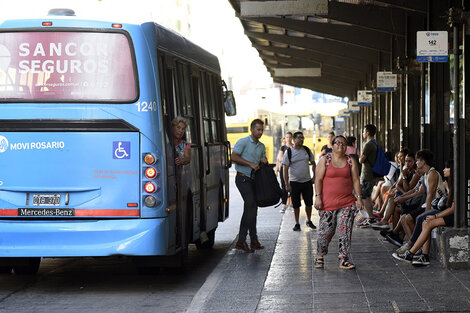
column 229, row 101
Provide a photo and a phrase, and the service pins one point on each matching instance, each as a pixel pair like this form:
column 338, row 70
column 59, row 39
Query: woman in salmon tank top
column 337, row 198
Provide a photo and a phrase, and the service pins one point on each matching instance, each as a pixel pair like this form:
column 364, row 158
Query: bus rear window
column 66, row 66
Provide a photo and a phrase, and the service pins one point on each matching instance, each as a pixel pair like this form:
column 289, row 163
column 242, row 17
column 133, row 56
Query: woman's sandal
column 344, row 264
column 319, row 262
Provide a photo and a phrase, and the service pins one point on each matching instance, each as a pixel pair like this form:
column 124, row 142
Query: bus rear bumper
column 83, row 238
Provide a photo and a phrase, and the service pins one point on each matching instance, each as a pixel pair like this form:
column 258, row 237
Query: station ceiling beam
column 370, row 17
column 326, row 80
column 326, row 68
column 317, row 45
column 417, row 6
column 335, row 76
column 297, row 72
column 309, row 56
column 319, row 87
column 345, row 34
column 271, row 8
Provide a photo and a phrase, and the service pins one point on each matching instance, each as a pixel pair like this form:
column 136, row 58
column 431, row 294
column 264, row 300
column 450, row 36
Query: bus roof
column 174, row 43
column 167, row 40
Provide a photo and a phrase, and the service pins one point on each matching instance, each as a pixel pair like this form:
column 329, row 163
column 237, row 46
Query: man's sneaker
column 310, row 224
column 422, row 260
column 403, row 248
column 419, row 252
column 384, row 233
column 283, row 210
column 296, row 227
column 406, row 257
column 394, row 239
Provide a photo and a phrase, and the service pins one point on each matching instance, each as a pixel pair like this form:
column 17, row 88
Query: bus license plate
column 46, row 200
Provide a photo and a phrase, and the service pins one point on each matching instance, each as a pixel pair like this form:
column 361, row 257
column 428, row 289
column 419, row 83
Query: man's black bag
column 267, row 190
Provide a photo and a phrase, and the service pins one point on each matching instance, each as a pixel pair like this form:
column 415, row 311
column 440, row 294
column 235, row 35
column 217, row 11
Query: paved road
column 113, row 284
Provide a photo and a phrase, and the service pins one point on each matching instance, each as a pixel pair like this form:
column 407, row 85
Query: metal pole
column 459, row 211
column 422, row 105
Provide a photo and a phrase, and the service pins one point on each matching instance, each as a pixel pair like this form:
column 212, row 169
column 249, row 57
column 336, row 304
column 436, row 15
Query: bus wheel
column 27, row 266
column 5, row 265
column 209, row 243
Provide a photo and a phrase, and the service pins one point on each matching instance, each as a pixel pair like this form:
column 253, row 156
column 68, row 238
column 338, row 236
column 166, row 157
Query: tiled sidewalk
column 281, row 278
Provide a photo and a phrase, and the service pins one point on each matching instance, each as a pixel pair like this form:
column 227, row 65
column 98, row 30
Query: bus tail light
column 149, row 159
column 150, row 172
column 150, row 187
column 150, row 201
column 46, row 23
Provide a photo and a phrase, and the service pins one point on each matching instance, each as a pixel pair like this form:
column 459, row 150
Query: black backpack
column 289, row 154
column 267, row 190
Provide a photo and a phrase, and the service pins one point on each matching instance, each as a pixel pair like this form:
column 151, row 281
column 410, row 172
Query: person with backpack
column 336, row 178
column 286, row 200
column 297, row 178
column 368, row 178
column 247, row 154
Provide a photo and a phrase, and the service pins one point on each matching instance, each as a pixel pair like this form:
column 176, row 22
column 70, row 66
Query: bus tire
column 27, row 266
column 6, row 265
column 209, row 244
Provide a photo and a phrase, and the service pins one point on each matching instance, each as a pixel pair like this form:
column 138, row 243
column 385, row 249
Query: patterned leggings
column 342, row 220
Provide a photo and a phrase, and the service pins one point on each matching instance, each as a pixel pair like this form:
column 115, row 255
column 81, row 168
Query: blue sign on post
column 386, row 81
column 364, row 97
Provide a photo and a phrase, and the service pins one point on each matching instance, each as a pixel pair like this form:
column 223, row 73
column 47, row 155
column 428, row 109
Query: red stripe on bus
column 117, row 212
column 83, row 212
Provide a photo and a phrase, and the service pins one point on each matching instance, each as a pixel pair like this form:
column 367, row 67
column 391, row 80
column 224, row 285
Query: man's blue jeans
column 419, row 223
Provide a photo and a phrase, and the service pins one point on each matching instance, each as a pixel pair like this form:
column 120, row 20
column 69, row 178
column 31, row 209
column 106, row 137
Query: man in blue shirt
column 247, row 154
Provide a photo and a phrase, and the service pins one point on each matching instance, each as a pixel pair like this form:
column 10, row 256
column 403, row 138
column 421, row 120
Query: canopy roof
column 345, row 41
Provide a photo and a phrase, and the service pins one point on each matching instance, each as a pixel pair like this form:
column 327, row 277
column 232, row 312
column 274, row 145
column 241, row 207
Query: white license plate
column 46, row 200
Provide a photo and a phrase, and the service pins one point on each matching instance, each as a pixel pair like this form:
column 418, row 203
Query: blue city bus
column 86, row 158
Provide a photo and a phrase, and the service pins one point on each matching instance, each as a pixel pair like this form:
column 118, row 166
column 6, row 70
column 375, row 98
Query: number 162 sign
column 432, row 46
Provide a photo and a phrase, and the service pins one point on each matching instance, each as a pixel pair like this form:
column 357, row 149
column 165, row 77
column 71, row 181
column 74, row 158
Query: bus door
column 190, row 197
column 167, row 82
column 214, row 152
column 198, row 98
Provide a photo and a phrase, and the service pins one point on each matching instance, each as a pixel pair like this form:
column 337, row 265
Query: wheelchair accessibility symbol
column 3, row 144
column 122, row 149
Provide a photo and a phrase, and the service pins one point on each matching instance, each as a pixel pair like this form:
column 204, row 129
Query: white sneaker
column 380, row 226
column 403, row 248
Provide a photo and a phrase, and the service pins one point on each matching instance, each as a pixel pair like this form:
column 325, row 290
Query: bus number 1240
column 145, row 106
